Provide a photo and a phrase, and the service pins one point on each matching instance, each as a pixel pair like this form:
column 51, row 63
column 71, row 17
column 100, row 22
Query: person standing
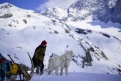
column 38, row 57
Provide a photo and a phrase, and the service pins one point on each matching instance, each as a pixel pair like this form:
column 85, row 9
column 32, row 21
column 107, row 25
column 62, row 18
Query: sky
column 39, row 5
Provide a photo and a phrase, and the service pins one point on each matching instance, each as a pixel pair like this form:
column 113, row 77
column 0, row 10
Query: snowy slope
column 73, row 76
column 11, row 18
column 109, row 28
column 25, row 33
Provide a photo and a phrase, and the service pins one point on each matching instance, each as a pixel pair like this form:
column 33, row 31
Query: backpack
column 5, row 66
column 14, row 69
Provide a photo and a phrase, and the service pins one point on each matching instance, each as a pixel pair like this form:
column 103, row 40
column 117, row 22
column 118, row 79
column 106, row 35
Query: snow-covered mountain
column 57, row 13
column 103, row 10
column 113, row 14
column 21, row 31
column 10, row 12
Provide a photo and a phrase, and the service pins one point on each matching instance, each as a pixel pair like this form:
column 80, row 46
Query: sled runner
column 22, row 71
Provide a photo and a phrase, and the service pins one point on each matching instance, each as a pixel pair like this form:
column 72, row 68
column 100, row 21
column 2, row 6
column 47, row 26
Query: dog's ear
column 71, row 52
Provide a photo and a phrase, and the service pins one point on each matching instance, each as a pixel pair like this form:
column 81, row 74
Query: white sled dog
column 62, row 61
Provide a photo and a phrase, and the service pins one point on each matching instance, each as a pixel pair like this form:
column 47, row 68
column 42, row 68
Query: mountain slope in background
column 57, row 13
column 113, row 14
column 23, row 30
column 103, row 10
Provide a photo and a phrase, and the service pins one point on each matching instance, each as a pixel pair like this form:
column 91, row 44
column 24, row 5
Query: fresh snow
column 77, row 76
column 109, row 28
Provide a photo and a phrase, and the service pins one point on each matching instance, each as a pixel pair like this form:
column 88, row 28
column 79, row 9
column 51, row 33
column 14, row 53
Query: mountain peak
column 56, row 12
column 6, row 5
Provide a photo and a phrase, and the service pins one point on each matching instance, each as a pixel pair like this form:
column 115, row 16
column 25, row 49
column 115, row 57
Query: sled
column 22, row 71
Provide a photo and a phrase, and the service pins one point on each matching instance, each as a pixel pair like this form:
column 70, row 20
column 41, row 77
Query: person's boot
column 37, row 70
column 41, row 71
